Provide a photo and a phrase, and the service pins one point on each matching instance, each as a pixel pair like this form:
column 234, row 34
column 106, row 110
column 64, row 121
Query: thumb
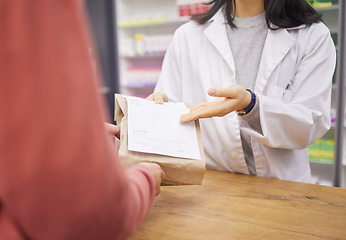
column 221, row 92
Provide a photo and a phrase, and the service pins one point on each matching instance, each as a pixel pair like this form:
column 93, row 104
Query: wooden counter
column 234, row 206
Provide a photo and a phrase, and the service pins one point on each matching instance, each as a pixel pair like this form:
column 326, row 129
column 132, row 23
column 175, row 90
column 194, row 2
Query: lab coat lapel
column 217, row 35
column 277, row 45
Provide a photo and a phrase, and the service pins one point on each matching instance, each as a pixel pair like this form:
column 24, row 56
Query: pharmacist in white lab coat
column 284, row 56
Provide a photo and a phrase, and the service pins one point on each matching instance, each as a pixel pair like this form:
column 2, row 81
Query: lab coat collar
column 277, row 45
column 217, row 35
column 292, row 28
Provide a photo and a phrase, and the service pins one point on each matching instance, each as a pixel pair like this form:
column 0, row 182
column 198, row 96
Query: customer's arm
column 59, row 173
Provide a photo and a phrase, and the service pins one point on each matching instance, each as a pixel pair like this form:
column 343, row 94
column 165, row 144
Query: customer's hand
column 231, row 98
column 158, row 174
column 158, row 97
column 112, row 130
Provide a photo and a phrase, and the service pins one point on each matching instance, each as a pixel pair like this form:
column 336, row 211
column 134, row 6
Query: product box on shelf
column 322, row 150
column 191, row 7
column 320, row 3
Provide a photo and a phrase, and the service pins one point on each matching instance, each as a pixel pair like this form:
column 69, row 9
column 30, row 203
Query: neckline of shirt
column 250, row 22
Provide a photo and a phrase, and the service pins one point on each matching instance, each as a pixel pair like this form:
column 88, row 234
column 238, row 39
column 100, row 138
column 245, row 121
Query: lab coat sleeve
column 170, row 78
column 302, row 115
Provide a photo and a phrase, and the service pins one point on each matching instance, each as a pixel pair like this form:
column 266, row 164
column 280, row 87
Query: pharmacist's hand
column 158, row 97
column 158, row 174
column 112, row 130
column 231, row 98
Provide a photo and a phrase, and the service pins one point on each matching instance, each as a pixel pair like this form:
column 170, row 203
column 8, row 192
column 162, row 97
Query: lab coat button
column 234, row 155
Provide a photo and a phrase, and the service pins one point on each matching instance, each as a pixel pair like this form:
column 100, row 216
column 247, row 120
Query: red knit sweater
column 59, row 174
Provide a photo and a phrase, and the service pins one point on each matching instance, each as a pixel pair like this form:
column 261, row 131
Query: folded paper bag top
column 179, row 170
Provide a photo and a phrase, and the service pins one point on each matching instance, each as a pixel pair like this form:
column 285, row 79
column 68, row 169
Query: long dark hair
column 281, row 13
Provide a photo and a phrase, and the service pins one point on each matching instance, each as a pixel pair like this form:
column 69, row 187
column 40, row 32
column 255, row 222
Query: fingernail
column 211, row 92
column 182, row 119
column 159, row 100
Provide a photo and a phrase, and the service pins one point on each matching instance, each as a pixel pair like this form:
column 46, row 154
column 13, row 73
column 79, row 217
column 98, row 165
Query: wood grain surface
column 235, row 206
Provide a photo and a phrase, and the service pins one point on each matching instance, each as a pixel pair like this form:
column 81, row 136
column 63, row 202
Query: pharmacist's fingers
column 158, row 97
column 230, row 92
column 239, row 94
column 208, row 105
column 150, row 97
column 197, row 114
column 201, row 105
column 202, row 110
column 218, row 108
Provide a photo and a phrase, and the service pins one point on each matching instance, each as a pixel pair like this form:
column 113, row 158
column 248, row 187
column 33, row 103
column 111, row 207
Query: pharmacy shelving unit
column 145, row 29
column 331, row 171
column 340, row 159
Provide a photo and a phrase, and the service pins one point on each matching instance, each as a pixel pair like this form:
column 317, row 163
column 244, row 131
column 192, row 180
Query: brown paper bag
column 179, row 171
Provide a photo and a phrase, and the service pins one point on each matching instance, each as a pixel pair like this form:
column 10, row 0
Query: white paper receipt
column 155, row 128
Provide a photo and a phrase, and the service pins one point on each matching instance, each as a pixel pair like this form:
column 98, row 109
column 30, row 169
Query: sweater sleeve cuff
column 253, row 117
column 150, row 179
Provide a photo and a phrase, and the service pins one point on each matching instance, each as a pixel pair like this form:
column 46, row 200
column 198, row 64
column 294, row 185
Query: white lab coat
column 293, row 86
